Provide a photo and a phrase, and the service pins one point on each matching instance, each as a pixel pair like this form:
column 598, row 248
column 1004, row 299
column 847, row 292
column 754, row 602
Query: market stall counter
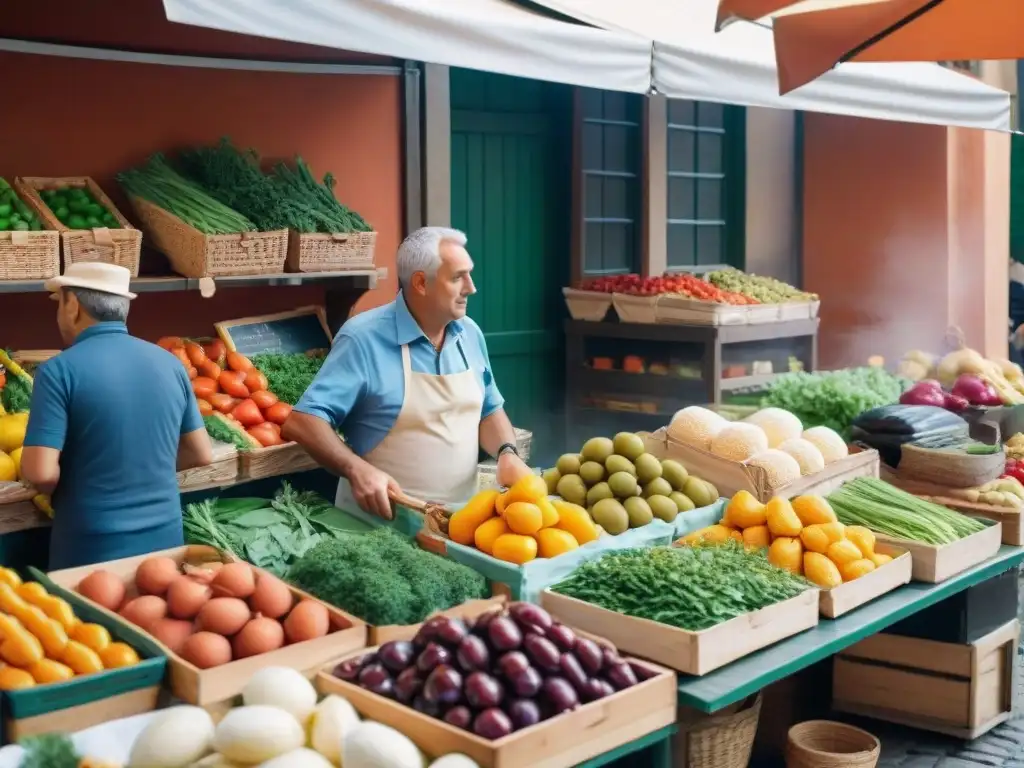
column 716, row 690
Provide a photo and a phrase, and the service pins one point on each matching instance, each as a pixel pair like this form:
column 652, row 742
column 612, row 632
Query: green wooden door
column 510, row 195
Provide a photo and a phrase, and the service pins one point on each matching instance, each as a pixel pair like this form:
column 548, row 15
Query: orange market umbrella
column 812, row 37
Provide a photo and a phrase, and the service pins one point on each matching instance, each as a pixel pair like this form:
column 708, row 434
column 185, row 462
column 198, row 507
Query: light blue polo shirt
column 360, row 388
column 115, row 407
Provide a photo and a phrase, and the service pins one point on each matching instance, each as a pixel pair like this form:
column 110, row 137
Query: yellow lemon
column 12, row 431
column 8, row 469
column 16, row 458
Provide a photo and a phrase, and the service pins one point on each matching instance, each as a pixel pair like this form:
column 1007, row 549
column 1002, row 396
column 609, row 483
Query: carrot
column 255, row 381
column 205, row 409
column 223, row 402
column 195, row 353
column 233, row 382
column 264, row 398
column 204, row 387
column 278, row 413
column 239, row 362
column 247, row 413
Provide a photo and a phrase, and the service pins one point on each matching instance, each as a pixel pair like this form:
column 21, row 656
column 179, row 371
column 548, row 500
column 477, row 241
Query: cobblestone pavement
column 1002, row 747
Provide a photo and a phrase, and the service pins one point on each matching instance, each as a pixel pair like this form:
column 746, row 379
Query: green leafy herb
column 221, row 432
column 50, row 750
column 834, row 398
column 300, row 184
column 269, row 533
column 691, row 588
column 289, row 375
column 384, row 579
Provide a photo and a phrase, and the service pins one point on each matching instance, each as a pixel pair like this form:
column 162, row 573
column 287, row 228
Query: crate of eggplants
column 506, row 670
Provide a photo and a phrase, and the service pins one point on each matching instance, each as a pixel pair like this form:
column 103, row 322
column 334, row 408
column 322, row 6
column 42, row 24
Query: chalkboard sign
column 296, row 332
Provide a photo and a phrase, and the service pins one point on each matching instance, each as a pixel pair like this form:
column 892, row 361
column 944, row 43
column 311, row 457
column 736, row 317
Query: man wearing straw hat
column 112, row 420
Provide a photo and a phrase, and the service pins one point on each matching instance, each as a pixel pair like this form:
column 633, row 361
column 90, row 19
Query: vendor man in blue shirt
column 112, row 420
column 410, row 386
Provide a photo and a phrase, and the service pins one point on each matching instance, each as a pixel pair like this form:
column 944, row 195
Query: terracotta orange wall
column 902, row 237
column 78, row 117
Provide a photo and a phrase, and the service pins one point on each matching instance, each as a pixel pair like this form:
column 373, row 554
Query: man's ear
column 419, row 282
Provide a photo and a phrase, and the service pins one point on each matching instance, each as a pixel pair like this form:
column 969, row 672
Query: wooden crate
column 568, row 739
column 853, row 594
column 222, row 471
column 274, row 461
column 112, row 246
column 213, row 686
column 731, row 477
column 960, row 690
column 87, row 700
column 674, row 308
column 695, row 653
column 468, row 610
column 934, row 565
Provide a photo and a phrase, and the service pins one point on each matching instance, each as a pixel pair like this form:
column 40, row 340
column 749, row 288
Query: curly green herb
column 691, row 588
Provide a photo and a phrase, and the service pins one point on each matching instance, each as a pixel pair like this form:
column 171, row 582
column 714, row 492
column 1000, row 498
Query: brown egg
column 271, row 597
column 145, row 611
column 260, row 635
column 172, row 633
column 103, row 588
column 205, row 650
column 185, row 598
column 307, row 621
column 234, row 580
column 224, row 616
column 155, row 575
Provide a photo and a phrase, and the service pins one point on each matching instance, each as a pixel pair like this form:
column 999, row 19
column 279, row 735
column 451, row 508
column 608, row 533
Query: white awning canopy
column 491, row 35
column 630, row 45
column 737, row 66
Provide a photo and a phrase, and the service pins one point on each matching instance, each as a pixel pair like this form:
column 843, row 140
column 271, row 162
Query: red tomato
column 204, row 387
column 265, row 435
column 233, row 383
column 264, row 398
column 205, row 409
column 278, row 413
column 255, row 381
column 238, row 362
column 222, row 402
column 247, row 413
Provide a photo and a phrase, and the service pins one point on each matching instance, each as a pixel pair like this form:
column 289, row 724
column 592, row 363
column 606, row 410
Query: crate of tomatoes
column 239, row 408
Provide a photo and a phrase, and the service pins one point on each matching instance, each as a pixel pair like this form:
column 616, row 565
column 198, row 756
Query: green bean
column 889, row 510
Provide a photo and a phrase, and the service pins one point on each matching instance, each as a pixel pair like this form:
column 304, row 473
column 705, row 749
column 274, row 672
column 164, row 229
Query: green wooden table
column 750, row 674
column 653, row 750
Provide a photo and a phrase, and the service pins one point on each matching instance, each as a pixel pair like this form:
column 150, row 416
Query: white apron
column 433, row 449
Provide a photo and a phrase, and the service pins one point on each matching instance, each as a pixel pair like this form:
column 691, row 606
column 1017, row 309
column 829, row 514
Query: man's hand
column 510, row 469
column 370, row 488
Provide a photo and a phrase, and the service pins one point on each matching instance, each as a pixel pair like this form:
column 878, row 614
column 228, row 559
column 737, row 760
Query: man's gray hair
column 102, row 307
column 421, row 251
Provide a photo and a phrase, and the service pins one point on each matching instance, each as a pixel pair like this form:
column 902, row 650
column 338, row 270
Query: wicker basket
column 952, row 469
column 338, row 252
column 110, row 246
column 718, row 741
column 29, row 255
column 825, row 744
column 194, row 254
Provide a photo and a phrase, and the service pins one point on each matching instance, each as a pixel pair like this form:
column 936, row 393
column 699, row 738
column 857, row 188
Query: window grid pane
column 611, row 168
column 698, row 182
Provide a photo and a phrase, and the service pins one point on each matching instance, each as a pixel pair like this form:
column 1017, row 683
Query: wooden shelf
column 698, row 334
column 363, row 279
column 666, row 387
column 743, row 382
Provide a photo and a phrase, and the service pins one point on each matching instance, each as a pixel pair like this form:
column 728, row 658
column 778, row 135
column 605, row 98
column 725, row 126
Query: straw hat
column 94, row 276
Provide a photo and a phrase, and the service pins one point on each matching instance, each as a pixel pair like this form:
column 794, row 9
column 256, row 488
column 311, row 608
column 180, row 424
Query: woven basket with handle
column 122, row 247
column 826, row 744
column 719, row 741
